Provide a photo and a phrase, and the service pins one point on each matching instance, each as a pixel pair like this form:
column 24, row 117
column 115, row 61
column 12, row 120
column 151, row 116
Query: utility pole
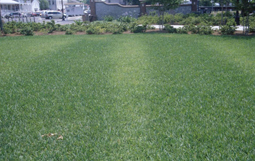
column 63, row 18
column 212, row 6
column 1, row 22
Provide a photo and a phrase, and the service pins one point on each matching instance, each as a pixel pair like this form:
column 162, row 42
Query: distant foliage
column 44, row 4
column 188, row 19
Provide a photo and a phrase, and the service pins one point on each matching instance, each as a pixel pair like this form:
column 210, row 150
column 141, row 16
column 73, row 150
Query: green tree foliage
column 44, row 4
column 164, row 5
column 205, row 3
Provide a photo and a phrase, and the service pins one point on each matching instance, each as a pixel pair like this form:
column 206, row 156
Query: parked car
column 33, row 14
column 15, row 15
column 44, row 13
column 54, row 14
column 38, row 13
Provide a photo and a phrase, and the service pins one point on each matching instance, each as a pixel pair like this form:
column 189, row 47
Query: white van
column 54, row 14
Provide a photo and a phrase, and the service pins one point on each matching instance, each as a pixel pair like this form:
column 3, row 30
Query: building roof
column 8, row 2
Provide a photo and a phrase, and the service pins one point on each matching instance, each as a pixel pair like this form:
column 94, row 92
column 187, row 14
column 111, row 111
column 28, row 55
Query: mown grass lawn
column 127, row 97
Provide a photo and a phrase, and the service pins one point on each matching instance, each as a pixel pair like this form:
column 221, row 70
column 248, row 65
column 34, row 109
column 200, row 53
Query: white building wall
column 56, row 4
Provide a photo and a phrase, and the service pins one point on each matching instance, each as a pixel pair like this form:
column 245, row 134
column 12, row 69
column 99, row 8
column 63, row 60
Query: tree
column 164, row 5
column 246, row 7
column 44, row 4
column 205, row 3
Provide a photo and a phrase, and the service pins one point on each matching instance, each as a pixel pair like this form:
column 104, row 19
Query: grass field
column 127, row 97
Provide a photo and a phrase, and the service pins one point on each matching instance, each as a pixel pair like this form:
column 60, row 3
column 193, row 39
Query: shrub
column 108, row 18
column 192, row 28
column 168, row 18
column 178, row 17
column 126, row 19
column 116, row 28
column 204, row 29
column 6, row 29
column 252, row 26
column 117, row 31
column 145, row 24
column 69, row 32
column 170, row 29
column 90, row 31
column 98, row 30
column 151, row 27
column 139, row 29
column 149, row 19
column 132, row 26
column 27, row 31
column 77, row 28
column 36, row 26
column 79, row 22
column 63, row 28
column 183, row 30
column 51, row 26
column 227, row 29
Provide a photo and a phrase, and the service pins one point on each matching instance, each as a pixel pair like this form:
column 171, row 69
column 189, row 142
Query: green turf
column 127, row 97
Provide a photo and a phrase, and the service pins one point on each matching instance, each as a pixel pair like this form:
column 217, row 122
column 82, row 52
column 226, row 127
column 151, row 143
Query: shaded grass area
column 127, row 97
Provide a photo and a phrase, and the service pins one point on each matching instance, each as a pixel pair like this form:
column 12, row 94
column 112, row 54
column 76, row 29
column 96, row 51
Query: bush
column 90, row 31
column 6, row 29
column 77, row 28
column 79, row 22
column 178, row 17
column 183, row 30
column 139, row 29
column 27, row 31
column 51, row 26
column 252, row 26
column 144, row 25
column 126, row 19
column 151, row 27
column 95, row 30
column 136, row 29
column 148, row 19
column 168, row 18
column 69, row 32
column 170, row 29
column 117, row 31
column 116, row 28
column 227, row 29
column 63, row 28
column 108, row 18
column 36, row 26
column 204, row 29
column 98, row 30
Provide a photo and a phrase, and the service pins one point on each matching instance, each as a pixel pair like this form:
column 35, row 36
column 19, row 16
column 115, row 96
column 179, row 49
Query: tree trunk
column 237, row 18
column 221, row 12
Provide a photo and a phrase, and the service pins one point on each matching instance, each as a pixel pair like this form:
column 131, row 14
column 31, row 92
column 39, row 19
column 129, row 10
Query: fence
column 101, row 9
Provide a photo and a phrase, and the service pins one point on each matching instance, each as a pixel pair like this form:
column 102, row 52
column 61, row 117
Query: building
column 57, row 4
column 25, row 6
column 74, row 9
column 28, row 5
